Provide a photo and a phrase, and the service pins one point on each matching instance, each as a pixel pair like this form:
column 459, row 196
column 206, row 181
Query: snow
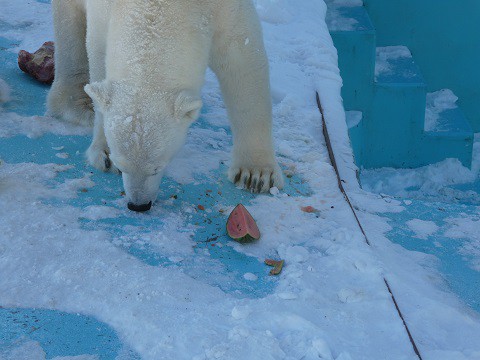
column 274, row 191
column 443, row 191
column 466, row 228
column 387, row 54
column 431, row 180
column 250, row 277
column 336, row 20
column 32, row 350
column 422, row 228
column 339, row 22
column 354, row 118
column 440, row 323
column 26, row 25
column 438, row 102
column 4, row 92
column 329, row 302
column 345, row 2
column 36, row 126
column 274, row 11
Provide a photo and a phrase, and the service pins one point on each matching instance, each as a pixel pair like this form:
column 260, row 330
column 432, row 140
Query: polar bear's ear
column 100, row 92
column 187, row 106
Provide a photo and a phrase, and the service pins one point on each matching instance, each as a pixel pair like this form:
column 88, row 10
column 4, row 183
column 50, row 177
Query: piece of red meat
column 40, row 65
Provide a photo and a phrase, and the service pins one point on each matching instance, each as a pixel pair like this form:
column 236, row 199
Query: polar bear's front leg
column 67, row 99
column 241, row 65
column 98, row 154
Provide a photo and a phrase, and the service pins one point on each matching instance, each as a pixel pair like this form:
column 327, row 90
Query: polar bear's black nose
column 139, row 208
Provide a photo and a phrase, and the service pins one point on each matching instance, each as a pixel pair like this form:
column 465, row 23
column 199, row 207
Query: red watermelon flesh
column 41, row 64
column 241, row 226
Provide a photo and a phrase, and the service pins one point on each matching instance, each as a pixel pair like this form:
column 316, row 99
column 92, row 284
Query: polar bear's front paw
column 71, row 104
column 99, row 158
column 256, row 179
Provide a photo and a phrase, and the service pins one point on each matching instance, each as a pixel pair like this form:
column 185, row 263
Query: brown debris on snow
column 277, row 266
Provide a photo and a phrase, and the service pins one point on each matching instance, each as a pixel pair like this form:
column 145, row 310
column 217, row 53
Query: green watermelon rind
column 245, row 239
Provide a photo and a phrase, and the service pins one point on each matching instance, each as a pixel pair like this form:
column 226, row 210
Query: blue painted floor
column 458, row 255
column 455, row 263
column 60, row 334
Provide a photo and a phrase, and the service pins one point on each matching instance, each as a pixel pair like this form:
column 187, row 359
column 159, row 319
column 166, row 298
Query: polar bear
column 143, row 64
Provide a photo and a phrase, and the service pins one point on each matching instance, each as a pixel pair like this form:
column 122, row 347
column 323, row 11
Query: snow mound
column 422, row 228
column 424, row 181
column 387, row 54
column 438, row 102
column 35, row 126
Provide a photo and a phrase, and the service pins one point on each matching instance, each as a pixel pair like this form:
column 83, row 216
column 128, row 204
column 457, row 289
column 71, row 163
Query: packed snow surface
column 4, row 91
column 429, row 182
column 69, row 244
column 336, row 19
column 439, row 215
column 422, row 228
column 387, row 54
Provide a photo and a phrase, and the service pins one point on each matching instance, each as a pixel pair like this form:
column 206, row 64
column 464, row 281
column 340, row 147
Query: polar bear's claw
column 236, row 177
column 108, row 162
column 100, row 159
column 256, row 180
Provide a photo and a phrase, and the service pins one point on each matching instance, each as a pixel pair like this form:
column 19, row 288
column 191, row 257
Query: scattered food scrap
column 309, row 209
column 277, row 266
column 40, row 65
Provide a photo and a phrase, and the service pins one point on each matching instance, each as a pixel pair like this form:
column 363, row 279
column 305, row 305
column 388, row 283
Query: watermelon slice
column 240, row 225
column 277, row 266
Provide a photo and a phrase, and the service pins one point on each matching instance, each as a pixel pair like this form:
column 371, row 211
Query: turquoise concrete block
column 392, row 127
column 452, row 138
column 354, row 37
column 394, row 123
column 399, row 72
column 444, row 38
column 390, row 89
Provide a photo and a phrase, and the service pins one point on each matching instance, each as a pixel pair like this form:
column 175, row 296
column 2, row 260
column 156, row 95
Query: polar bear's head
column 144, row 130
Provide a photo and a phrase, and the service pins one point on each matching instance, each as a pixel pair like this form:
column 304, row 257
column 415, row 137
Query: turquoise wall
column 444, row 37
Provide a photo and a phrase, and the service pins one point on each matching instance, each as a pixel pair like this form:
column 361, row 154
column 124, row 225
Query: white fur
column 145, row 61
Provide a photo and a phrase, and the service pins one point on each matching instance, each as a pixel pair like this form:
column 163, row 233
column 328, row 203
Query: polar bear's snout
column 141, row 191
column 139, row 208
